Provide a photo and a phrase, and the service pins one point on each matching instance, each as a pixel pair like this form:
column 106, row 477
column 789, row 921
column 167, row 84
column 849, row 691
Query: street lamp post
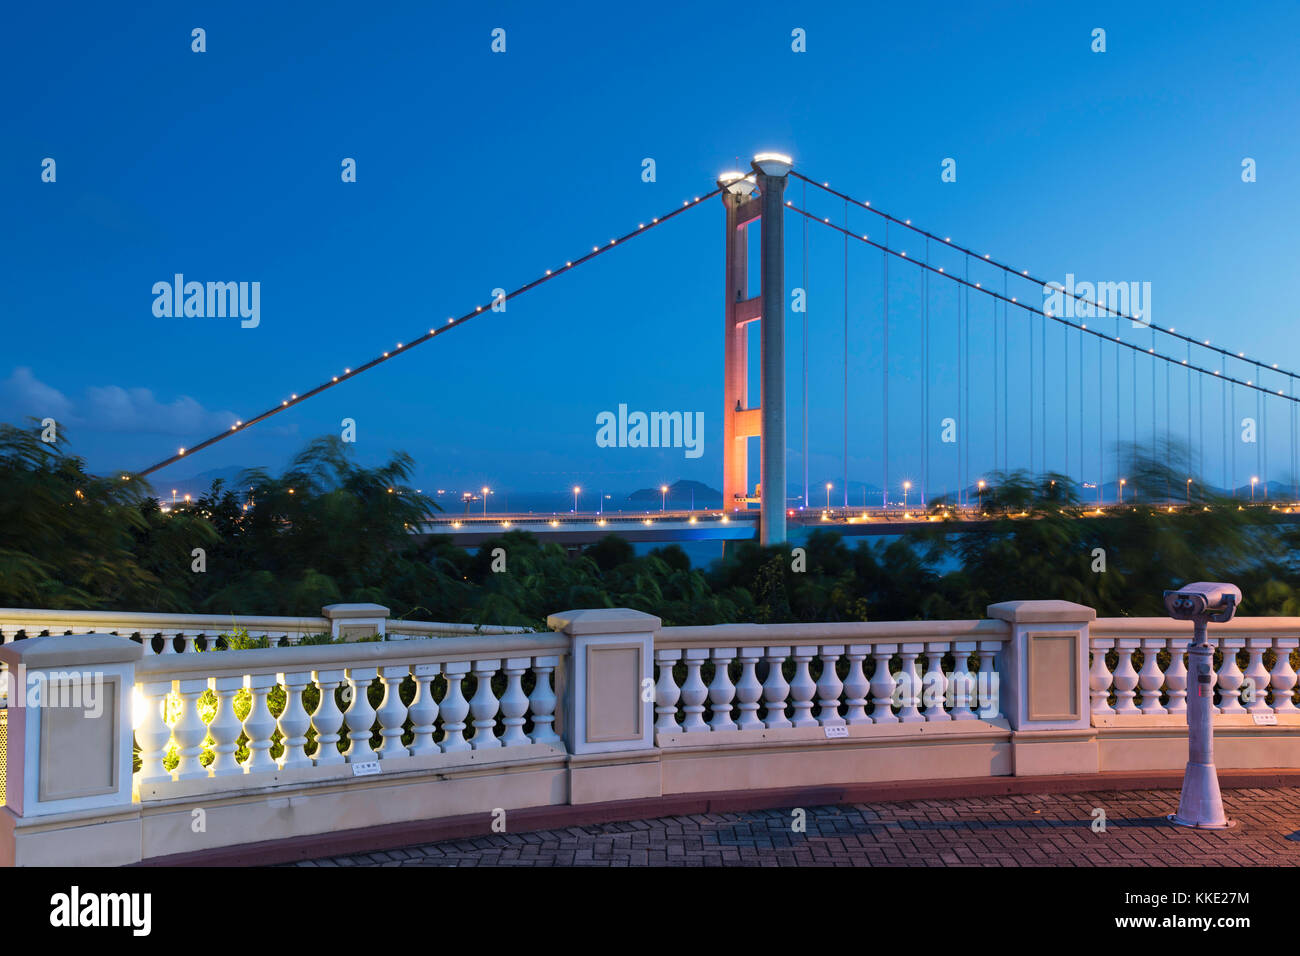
column 576, row 489
column 907, row 486
column 663, row 497
column 1189, row 492
column 981, row 491
column 1121, row 491
column 828, row 496
column 486, row 492
column 1252, row 488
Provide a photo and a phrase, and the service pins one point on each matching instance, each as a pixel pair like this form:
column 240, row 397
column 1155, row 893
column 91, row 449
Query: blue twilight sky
column 477, row 169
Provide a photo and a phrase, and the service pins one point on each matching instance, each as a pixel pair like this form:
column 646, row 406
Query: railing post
column 351, row 622
column 609, row 696
column 69, row 752
column 1044, row 690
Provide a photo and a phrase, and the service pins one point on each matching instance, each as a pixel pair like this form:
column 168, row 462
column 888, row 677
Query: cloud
column 110, row 408
column 27, row 395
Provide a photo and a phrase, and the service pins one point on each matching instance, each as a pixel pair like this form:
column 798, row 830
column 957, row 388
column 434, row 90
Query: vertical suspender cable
column 1006, row 418
column 997, row 408
column 925, row 380
column 1029, row 355
column 884, row 260
column 846, row 353
column 1043, row 344
column 1065, row 393
column 964, row 447
column 1101, row 421
column 1261, row 431
column 806, row 502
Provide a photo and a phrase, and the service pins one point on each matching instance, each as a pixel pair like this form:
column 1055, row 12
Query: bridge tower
column 767, row 420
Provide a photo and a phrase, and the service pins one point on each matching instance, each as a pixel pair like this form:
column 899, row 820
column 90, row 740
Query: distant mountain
column 681, row 494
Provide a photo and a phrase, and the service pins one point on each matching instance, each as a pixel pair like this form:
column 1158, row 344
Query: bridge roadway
column 665, row 526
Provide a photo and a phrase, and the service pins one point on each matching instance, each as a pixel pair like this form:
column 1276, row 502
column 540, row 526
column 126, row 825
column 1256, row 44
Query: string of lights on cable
column 403, row 347
column 1080, row 327
column 907, row 224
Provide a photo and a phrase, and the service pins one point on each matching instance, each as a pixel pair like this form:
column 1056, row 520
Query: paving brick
column 1010, row 830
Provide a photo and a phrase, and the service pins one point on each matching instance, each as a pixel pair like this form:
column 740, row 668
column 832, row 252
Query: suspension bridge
column 993, row 356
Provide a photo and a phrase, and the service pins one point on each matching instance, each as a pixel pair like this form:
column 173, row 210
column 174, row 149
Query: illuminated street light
column 1122, row 482
column 1252, row 488
column 486, row 491
column 1189, row 492
column 576, row 489
column 907, row 486
column 828, row 495
column 981, row 493
column 663, row 497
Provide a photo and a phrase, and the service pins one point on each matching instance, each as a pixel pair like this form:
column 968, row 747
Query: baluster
column 484, row 705
column 168, row 647
column 360, row 715
column 514, row 704
column 1100, row 677
column 1283, row 677
column 153, row 734
column 423, row 710
column 882, row 685
column 909, row 681
column 961, row 688
column 667, row 693
column 189, row 730
column 542, row 702
column 1125, row 676
column 829, row 688
column 934, row 685
column 293, row 720
column 187, row 642
column 856, row 687
column 1258, row 674
column 721, row 690
column 327, row 718
column 989, row 682
column 1151, row 678
column 802, row 689
column 1176, row 676
column 259, row 724
column 392, row 712
column 775, row 688
column 694, row 692
column 748, row 690
column 454, row 709
column 225, row 727
column 1230, row 676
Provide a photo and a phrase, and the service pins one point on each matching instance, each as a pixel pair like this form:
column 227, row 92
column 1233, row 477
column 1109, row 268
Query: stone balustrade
column 825, row 675
column 196, row 749
column 1149, row 680
column 450, row 699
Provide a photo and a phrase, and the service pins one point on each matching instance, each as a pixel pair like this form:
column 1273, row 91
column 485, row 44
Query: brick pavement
column 1035, row 829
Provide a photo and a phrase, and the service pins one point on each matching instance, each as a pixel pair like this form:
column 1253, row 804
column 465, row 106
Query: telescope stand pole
column 1201, row 804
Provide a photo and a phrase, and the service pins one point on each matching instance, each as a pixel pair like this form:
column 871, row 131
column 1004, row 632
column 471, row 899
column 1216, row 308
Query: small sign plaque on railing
column 1262, row 719
column 840, row 731
column 364, row 768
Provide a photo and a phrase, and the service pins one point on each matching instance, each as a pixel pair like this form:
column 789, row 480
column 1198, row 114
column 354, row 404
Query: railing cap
column 606, row 620
column 1042, row 612
column 340, row 611
column 55, row 650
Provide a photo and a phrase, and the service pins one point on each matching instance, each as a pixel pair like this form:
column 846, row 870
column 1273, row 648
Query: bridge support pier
column 771, row 170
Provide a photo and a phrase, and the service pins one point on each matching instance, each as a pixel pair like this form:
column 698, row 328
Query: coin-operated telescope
column 1201, row 804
